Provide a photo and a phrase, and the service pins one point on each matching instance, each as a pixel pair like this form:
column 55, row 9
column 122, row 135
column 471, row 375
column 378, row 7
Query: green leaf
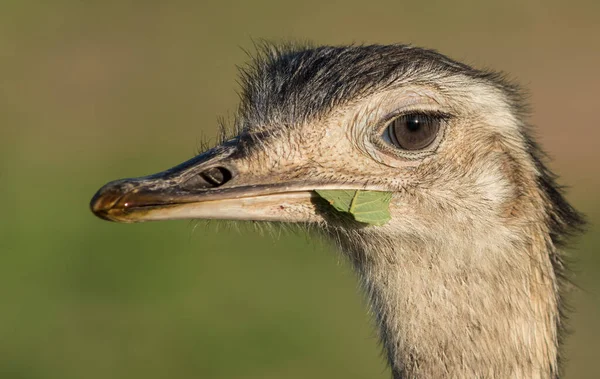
column 369, row 207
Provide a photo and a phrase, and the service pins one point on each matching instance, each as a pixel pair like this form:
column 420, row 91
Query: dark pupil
column 414, row 132
column 413, row 124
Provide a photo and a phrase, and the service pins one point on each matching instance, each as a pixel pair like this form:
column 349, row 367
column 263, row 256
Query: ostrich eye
column 414, row 131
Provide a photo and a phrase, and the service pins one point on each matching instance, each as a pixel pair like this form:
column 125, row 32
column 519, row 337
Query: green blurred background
column 91, row 91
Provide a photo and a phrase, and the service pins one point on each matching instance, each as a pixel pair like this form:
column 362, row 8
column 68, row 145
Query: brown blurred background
column 94, row 90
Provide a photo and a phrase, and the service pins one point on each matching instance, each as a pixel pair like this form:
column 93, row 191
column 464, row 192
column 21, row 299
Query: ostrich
column 466, row 280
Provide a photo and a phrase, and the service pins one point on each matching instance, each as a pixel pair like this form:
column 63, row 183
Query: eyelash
column 438, row 115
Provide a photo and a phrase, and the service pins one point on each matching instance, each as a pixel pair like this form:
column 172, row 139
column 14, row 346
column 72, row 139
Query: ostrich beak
column 213, row 185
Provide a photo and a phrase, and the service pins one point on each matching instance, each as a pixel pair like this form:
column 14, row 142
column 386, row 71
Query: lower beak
column 206, row 187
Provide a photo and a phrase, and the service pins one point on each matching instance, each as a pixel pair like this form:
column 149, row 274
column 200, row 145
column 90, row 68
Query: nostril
column 217, row 176
column 210, row 178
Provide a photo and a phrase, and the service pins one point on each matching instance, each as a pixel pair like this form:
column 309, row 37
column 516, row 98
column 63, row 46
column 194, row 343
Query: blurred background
column 92, row 91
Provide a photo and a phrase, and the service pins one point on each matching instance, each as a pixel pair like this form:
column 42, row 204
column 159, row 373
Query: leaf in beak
column 369, row 207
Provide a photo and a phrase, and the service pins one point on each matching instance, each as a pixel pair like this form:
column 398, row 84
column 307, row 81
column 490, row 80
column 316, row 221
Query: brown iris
column 414, row 131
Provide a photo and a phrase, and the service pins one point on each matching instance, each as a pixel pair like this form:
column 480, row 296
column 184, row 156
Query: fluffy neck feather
column 442, row 313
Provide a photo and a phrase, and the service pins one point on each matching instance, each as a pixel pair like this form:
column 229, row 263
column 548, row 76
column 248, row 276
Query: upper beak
column 213, row 185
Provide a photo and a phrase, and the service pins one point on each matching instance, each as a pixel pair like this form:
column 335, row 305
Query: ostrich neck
column 463, row 308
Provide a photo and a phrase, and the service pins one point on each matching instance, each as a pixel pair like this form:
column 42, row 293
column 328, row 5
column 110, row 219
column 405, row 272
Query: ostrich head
column 465, row 279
